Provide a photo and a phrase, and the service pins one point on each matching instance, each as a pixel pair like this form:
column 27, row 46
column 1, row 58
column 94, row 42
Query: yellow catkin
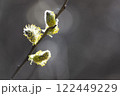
column 33, row 33
column 40, row 57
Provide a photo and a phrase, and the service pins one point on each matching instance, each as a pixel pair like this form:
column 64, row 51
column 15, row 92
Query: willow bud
column 40, row 57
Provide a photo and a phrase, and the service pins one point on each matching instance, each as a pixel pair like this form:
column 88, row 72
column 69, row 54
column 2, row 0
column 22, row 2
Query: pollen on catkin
column 33, row 33
column 40, row 57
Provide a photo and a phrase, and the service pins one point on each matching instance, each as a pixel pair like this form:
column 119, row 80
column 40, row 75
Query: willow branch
column 33, row 47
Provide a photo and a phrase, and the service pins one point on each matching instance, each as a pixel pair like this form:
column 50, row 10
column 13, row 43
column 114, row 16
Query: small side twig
column 33, row 47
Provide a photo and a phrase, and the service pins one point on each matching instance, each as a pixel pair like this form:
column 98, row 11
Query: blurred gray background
column 86, row 47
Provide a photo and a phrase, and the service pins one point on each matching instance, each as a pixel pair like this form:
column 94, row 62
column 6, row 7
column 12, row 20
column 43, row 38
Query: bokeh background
column 86, row 47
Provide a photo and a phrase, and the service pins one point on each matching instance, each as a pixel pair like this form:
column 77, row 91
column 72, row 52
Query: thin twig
column 62, row 9
column 33, row 47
